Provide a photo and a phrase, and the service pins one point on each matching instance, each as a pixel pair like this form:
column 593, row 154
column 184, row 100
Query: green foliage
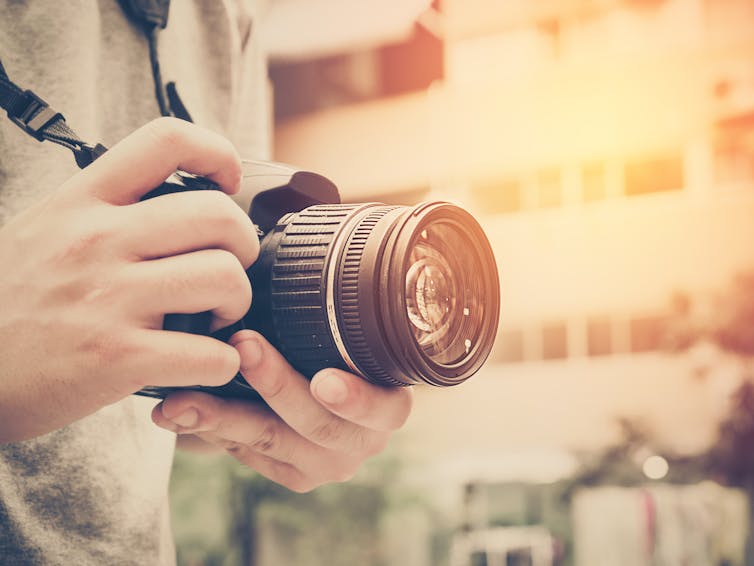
column 336, row 525
column 226, row 515
column 199, row 492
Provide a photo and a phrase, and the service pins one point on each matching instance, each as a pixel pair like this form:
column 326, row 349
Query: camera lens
column 398, row 295
column 441, row 298
column 430, row 297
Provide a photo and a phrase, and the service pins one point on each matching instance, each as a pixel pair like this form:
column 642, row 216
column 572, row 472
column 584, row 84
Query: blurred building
column 607, row 148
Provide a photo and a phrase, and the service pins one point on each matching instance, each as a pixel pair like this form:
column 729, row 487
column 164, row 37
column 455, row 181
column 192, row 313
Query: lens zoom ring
column 348, row 300
column 297, row 299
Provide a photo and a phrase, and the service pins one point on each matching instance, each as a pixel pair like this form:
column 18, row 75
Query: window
column 549, row 188
column 554, row 341
column 599, row 337
column 593, row 182
column 647, row 333
column 653, row 175
column 498, row 197
column 301, row 87
column 509, row 346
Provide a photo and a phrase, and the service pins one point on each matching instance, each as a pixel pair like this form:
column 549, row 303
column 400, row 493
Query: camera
column 398, row 295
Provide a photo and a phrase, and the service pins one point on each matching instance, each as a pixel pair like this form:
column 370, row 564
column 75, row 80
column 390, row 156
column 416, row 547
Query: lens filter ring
column 442, row 281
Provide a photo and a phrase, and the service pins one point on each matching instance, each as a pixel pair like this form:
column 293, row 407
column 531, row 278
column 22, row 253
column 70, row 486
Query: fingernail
column 187, row 419
column 331, row 389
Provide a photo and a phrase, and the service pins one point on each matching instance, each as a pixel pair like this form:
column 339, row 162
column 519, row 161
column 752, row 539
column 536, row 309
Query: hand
column 310, row 434
column 90, row 271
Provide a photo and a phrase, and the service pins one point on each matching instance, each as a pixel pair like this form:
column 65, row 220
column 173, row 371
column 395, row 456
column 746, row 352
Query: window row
column 547, row 188
column 593, row 337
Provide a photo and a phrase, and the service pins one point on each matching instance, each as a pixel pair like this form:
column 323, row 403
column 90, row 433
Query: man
column 89, row 272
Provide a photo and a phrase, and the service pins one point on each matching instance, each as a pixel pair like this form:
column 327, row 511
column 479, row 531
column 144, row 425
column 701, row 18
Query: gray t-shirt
column 95, row 492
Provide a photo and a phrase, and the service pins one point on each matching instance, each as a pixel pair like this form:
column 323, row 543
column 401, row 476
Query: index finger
column 287, row 393
column 144, row 159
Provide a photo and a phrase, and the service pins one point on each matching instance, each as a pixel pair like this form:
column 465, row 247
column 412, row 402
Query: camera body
column 377, row 290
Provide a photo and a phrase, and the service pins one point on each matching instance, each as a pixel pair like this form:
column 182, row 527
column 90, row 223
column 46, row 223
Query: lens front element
column 439, row 297
column 451, row 294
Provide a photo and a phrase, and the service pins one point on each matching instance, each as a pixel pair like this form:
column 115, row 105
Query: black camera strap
column 34, row 116
column 152, row 16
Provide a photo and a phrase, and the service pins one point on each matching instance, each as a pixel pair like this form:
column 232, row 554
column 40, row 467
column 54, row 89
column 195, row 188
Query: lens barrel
column 398, row 295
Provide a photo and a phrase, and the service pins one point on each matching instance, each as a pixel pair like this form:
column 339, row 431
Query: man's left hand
column 308, row 434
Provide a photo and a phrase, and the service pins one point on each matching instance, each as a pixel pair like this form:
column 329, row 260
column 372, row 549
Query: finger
column 207, row 280
column 188, row 221
column 247, row 429
column 361, row 402
column 287, row 392
column 147, row 157
column 281, row 473
column 168, row 359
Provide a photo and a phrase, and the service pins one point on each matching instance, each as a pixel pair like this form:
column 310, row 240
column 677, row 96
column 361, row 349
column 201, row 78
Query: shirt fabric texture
column 95, row 492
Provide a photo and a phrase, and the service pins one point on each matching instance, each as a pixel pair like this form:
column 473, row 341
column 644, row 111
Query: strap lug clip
column 34, row 116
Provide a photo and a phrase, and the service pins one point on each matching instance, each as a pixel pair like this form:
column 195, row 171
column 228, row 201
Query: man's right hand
column 90, row 271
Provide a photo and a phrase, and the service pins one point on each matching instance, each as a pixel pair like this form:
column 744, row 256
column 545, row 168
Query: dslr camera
column 398, row 295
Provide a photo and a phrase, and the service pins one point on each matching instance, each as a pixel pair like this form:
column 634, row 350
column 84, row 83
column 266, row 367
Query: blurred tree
column 226, row 515
column 334, row 525
column 727, row 323
column 200, row 488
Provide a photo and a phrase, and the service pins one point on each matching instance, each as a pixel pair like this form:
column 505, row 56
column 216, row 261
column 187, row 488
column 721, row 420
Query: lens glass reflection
column 444, row 299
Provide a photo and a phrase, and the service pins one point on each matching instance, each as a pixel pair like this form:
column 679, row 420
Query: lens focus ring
column 297, row 286
column 351, row 303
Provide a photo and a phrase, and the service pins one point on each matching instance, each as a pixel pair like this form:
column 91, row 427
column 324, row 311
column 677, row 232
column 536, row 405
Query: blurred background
column 607, row 147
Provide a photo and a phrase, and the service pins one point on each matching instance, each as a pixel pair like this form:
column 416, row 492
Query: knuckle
column 361, row 441
column 273, row 387
column 268, row 440
column 87, row 242
column 235, row 449
column 231, row 277
column 376, row 445
column 113, row 351
column 286, row 475
column 103, row 346
column 218, row 210
column 300, row 485
column 343, row 470
column 167, row 131
column 230, row 446
column 329, row 432
column 221, row 215
column 216, row 206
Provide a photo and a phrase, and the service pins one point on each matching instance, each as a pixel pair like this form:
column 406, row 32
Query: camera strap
column 34, row 116
column 152, row 16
